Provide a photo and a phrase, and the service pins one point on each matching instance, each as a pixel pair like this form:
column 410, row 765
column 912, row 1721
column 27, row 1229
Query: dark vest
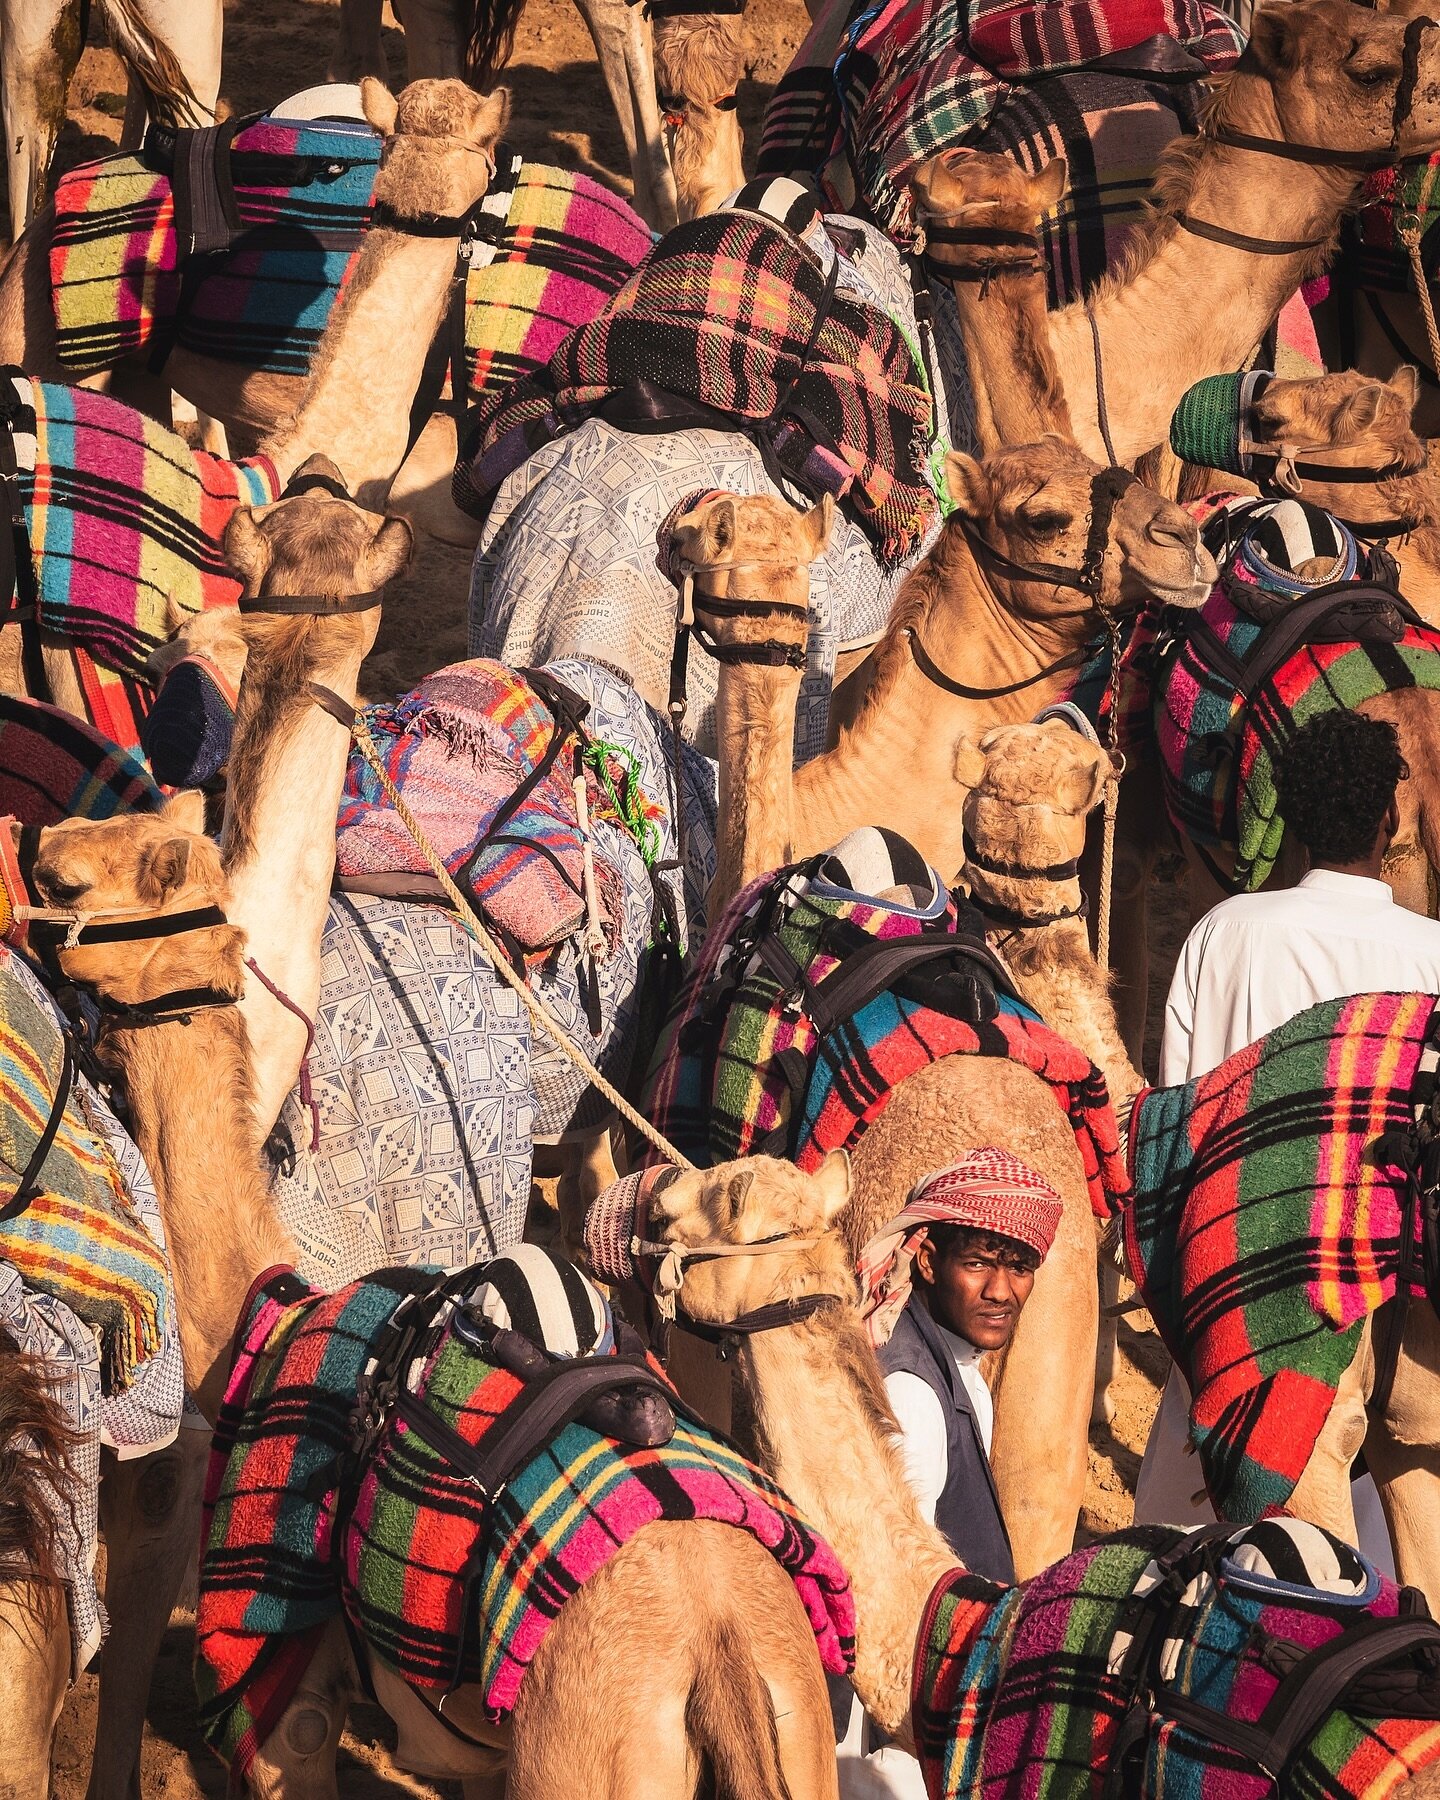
column 968, row 1511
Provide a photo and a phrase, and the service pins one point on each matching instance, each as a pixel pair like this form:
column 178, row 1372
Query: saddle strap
column 207, row 217
column 19, row 591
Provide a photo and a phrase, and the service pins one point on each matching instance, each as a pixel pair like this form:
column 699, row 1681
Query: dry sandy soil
column 556, row 84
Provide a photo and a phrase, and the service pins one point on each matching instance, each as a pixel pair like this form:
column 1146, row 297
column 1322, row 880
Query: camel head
column 1334, row 72
column 140, row 866
column 700, row 60
column 984, row 190
column 440, row 139
column 755, row 548
column 745, row 1202
column 1033, row 504
column 1347, row 419
column 1025, row 820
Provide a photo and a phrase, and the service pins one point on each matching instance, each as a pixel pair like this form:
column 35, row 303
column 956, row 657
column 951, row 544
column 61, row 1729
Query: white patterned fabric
column 566, row 562
column 431, row 1081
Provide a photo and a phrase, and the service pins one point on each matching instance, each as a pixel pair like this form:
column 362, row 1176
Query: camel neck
column 287, row 767
column 906, row 721
column 356, row 409
column 755, row 728
column 826, row 1435
column 1182, row 307
column 187, row 1086
column 1013, row 373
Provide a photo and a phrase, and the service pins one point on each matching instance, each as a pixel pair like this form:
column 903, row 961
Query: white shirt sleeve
column 922, row 1437
column 1179, row 1032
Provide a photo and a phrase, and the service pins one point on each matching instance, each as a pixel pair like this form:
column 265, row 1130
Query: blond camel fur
column 1178, row 307
column 823, row 1423
column 699, row 62
column 692, row 1649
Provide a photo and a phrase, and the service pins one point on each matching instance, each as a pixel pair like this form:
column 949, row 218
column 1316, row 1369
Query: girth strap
column 207, row 218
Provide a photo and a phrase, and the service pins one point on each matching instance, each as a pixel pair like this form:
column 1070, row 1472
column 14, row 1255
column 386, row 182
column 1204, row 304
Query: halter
column 1012, row 916
column 674, row 107
column 314, row 606
column 432, row 225
column 986, row 268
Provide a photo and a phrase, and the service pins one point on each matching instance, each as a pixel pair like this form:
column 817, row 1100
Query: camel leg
column 27, row 317
column 421, row 490
column 433, row 46
column 39, row 48
column 192, row 31
column 359, row 49
column 150, row 1514
column 1403, row 1453
column 1107, row 1343
column 34, row 1673
column 625, row 47
column 297, row 1761
column 1322, row 1494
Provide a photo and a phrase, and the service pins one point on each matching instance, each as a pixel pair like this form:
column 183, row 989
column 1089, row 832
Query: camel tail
column 732, row 1721
column 489, row 37
column 35, row 1442
column 171, row 99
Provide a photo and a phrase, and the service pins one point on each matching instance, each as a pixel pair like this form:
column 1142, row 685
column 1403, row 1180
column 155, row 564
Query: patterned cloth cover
column 431, row 1083
column 1283, row 1147
column 140, row 1417
column 1372, row 254
column 54, row 766
column 1017, row 1692
column 1218, row 755
column 729, row 312
column 459, row 747
column 566, row 564
column 864, row 103
column 727, row 1069
column 418, row 1548
column 555, row 246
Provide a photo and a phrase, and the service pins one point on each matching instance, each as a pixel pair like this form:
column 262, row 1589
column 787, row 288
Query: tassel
column 595, row 943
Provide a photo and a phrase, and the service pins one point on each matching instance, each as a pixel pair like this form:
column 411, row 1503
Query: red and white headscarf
column 987, row 1190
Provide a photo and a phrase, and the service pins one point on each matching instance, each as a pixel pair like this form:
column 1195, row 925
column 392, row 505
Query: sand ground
column 556, row 84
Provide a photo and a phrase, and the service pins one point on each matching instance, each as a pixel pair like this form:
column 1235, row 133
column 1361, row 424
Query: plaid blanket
column 1265, row 1227
column 461, row 747
column 273, row 1573
column 1218, row 754
column 79, row 1239
column 737, row 1070
column 730, row 312
column 916, row 76
column 54, row 766
column 1372, row 254
column 1016, row 1690
column 556, row 246
column 124, row 518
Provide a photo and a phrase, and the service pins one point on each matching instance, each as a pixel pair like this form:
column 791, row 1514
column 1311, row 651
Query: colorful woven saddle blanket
column 389, row 1508
column 913, row 77
column 54, row 766
column 1228, row 1665
column 729, row 321
column 1275, row 1206
column 549, row 248
column 66, row 1218
column 1226, row 708
column 487, row 759
column 812, row 1000
column 1372, row 254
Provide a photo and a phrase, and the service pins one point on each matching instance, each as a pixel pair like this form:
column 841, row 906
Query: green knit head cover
column 1210, row 425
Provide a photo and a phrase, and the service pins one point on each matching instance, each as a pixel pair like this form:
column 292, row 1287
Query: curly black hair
column 954, row 1240
column 1335, row 783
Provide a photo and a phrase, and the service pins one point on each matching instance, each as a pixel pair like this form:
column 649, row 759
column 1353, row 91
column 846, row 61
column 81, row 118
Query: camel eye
column 1372, row 78
column 62, row 893
column 1044, row 521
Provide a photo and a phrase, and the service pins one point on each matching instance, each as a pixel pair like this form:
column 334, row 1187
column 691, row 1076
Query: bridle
column 433, row 225
column 984, row 269
column 674, row 108
column 1313, row 156
column 1008, row 871
column 1107, row 488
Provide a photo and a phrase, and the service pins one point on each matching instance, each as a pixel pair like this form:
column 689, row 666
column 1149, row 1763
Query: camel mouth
column 1195, row 590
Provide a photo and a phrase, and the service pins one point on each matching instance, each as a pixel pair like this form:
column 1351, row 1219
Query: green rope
column 597, row 753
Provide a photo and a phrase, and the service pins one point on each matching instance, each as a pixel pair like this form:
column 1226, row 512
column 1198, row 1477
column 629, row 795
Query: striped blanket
column 1021, row 1690
column 911, row 77
column 1218, row 753
column 439, row 1585
column 1265, row 1227
column 554, row 246
column 731, row 313
column 739, row 1070
column 54, row 766
column 79, row 1238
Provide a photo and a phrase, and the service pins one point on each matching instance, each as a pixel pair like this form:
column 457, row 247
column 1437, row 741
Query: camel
column 823, row 1426
column 439, row 140
column 700, row 60
column 691, row 1647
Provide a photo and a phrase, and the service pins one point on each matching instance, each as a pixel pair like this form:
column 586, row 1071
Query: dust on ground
column 556, row 85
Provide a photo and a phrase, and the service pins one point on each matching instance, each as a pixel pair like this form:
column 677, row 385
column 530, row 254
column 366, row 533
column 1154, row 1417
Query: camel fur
column 700, row 60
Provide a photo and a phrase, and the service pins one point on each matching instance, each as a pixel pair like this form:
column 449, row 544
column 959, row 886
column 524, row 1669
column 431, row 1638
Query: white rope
column 468, row 918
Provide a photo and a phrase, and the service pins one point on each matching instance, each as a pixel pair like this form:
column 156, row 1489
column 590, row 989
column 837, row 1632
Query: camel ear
column 832, row 1182
column 379, row 106
column 968, row 483
column 1048, row 187
column 719, row 522
column 247, row 549
column 163, row 870
column 817, row 525
column 1362, row 409
column 176, row 615
column 922, row 182
column 185, row 810
column 386, row 555
column 1273, row 42
column 1078, row 791
column 969, row 764
column 494, row 115
column 1405, row 383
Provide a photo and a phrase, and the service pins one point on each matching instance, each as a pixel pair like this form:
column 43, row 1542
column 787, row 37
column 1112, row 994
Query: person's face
column 976, row 1293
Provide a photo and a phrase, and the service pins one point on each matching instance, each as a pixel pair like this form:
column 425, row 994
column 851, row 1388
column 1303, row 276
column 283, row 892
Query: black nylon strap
column 137, row 931
column 993, row 865
column 1239, row 240
column 341, row 711
column 431, row 225
column 314, row 606
column 1317, row 155
column 934, row 673
column 207, row 217
column 1331, row 473
column 317, row 483
column 30, row 1178
column 165, row 1009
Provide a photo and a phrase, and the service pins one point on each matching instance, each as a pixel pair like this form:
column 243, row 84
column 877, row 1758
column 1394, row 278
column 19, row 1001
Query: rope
column 1408, row 230
column 1111, row 802
column 537, row 1009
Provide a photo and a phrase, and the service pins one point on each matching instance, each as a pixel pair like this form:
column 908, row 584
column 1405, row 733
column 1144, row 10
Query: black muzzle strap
column 313, row 606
